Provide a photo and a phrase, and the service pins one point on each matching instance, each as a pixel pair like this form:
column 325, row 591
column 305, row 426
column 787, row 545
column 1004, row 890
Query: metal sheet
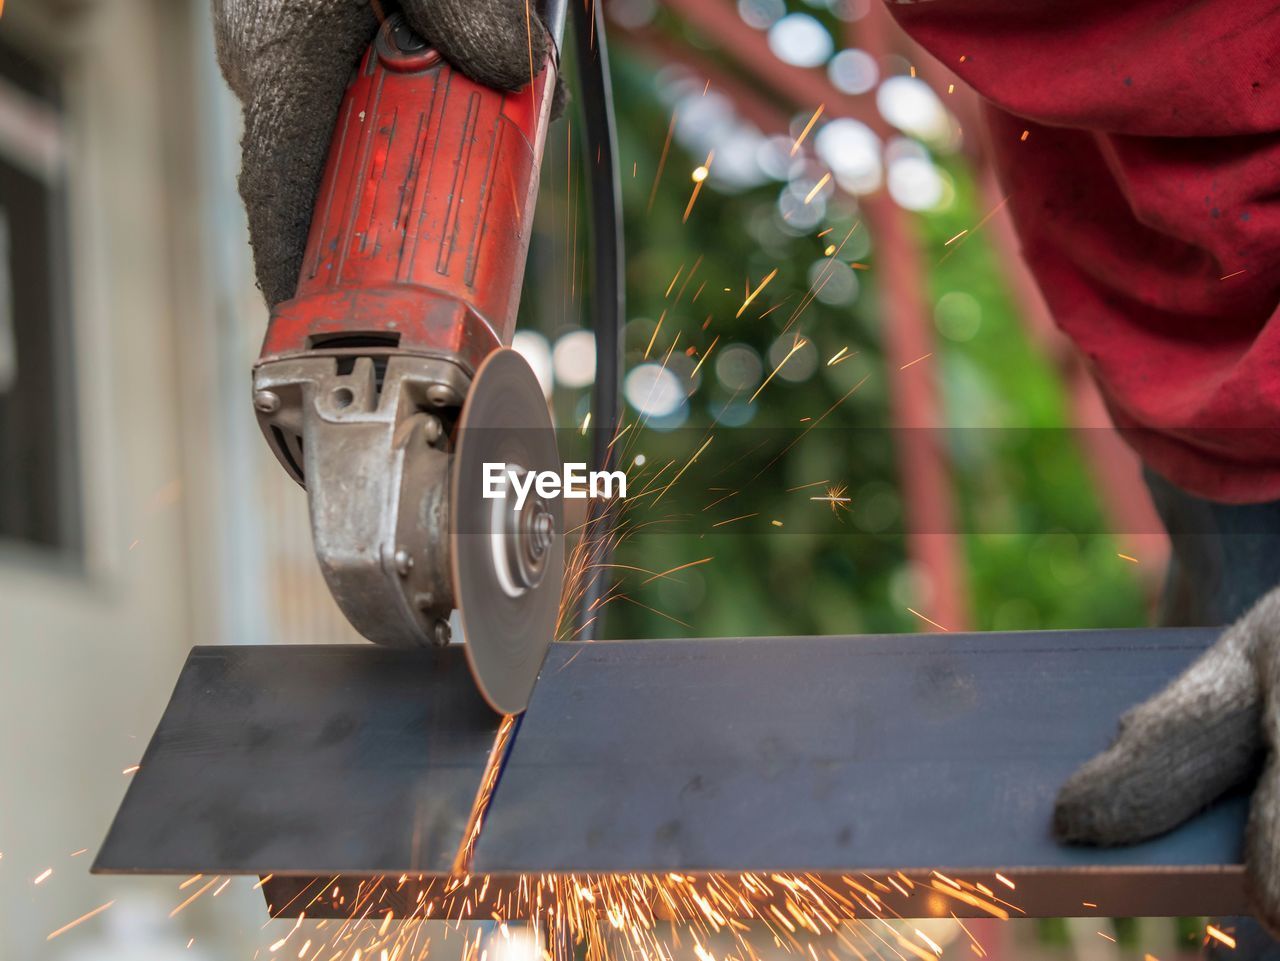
column 838, row 754
column 329, row 767
column 308, row 759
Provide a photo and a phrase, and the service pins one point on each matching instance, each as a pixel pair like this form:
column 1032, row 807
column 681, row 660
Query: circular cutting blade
column 508, row 563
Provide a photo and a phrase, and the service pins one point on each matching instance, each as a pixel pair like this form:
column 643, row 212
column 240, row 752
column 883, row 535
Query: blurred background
column 821, row 278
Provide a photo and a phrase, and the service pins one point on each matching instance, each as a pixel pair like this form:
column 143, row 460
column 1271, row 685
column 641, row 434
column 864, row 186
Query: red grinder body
column 422, row 222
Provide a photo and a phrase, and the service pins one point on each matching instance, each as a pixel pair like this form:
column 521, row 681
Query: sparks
column 807, row 127
column 799, row 344
column 682, row 567
column 916, row 361
column 933, row 945
column 1126, row 557
column 698, row 181
column 732, row 520
column 80, row 920
column 835, row 497
column 947, row 630
column 756, row 293
column 1219, row 935
column 826, row 179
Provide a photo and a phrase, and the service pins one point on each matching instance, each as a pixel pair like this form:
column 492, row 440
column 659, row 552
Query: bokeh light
column 910, row 104
column 535, row 349
column 852, row 150
column 654, row 391
column 853, row 71
column 800, row 40
column 802, row 362
column 739, row 367
column 574, row 358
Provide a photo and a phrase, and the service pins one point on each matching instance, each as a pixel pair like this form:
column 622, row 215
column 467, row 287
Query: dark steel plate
column 843, row 754
column 307, row 758
column 837, row 756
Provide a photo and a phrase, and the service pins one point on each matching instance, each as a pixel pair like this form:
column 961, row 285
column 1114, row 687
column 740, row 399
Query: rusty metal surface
column 307, row 758
column 329, row 767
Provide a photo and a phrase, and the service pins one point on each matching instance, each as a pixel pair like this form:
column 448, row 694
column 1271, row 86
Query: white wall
column 174, row 478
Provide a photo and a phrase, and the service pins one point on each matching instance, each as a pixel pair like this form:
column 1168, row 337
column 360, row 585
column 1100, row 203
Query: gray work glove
column 1207, row 732
column 289, row 61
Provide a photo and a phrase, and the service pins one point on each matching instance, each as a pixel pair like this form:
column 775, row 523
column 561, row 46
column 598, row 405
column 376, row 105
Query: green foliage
column 1039, row 557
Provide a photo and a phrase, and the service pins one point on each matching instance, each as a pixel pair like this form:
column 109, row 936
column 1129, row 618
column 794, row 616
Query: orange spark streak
column 674, row 570
column 807, row 127
column 756, row 293
column 212, row 882
column 826, row 179
column 852, row 390
column 978, row 226
column 1126, row 557
column 970, row 899
column 935, row 624
column 662, row 163
column 687, row 465
column 792, row 490
column 697, row 186
column 703, row 358
column 651, row 610
column 916, row 361
column 1219, row 935
column 80, row 920
column 671, row 285
column 661, row 317
column 740, row 517
column 798, row 345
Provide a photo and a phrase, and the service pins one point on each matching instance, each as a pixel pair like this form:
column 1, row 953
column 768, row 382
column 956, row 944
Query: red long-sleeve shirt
column 1147, row 199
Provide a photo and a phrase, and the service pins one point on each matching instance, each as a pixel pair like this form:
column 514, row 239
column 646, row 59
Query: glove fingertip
column 1084, row 813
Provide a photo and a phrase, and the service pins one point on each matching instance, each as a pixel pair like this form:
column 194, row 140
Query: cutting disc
column 508, row 561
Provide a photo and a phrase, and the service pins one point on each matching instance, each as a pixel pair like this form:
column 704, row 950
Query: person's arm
column 288, row 61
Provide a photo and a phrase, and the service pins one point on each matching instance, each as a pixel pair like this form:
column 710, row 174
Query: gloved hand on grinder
column 289, row 61
column 1209, row 731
